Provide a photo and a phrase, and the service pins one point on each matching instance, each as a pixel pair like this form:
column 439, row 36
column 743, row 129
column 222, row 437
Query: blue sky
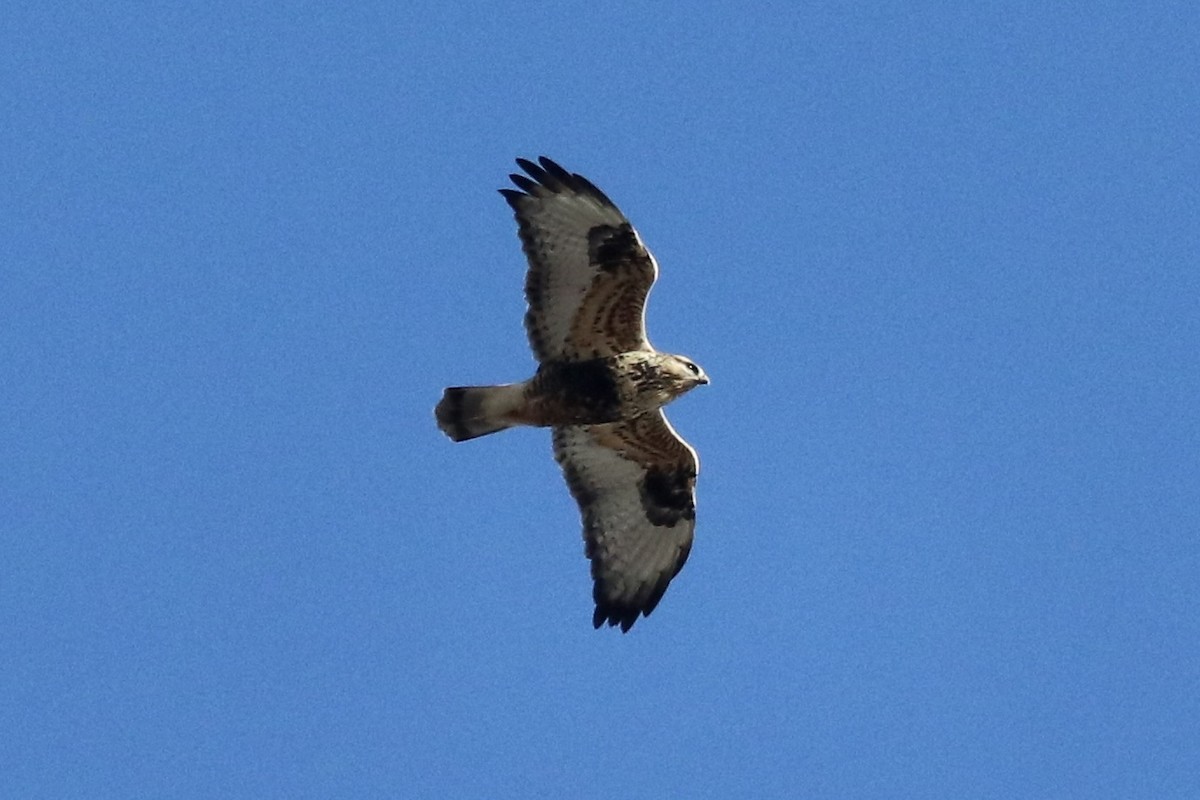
column 940, row 260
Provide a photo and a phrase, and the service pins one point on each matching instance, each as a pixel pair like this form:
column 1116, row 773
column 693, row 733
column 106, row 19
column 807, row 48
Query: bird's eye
column 695, row 370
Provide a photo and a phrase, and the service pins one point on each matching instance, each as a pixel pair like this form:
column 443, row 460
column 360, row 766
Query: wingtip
column 552, row 168
column 615, row 617
column 548, row 174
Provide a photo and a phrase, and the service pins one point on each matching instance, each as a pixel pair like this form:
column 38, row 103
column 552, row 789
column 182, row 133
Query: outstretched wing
column 635, row 482
column 589, row 273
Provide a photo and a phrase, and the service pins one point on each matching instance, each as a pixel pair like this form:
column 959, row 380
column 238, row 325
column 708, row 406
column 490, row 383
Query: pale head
column 658, row 378
column 686, row 373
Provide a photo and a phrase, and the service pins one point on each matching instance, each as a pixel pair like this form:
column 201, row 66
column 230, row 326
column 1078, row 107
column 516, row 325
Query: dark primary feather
column 575, row 181
column 550, row 176
column 524, row 184
column 556, row 180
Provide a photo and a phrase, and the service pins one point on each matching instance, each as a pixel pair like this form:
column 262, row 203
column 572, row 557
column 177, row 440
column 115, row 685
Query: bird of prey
column 600, row 386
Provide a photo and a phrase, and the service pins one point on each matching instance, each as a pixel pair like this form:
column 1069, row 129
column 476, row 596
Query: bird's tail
column 467, row 412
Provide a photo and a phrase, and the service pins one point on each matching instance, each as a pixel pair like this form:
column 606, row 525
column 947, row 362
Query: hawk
column 600, row 386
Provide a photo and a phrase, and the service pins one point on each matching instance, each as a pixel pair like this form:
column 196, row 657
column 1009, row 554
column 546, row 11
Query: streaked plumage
column 600, row 385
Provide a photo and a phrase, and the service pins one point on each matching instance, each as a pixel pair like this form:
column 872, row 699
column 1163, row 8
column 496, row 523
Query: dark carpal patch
column 611, row 246
column 667, row 497
column 588, row 386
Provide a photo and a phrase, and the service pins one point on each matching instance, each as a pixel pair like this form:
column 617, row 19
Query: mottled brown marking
column 609, row 319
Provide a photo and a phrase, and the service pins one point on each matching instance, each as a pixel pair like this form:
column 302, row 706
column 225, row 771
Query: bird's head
column 687, row 373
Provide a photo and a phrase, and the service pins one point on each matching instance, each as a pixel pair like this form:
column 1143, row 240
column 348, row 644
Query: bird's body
column 590, row 392
column 600, row 385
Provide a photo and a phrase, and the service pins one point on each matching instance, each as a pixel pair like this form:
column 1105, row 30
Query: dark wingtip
column 537, row 173
column 554, row 170
column 615, row 616
column 588, row 186
column 549, row 174
column 524, row 184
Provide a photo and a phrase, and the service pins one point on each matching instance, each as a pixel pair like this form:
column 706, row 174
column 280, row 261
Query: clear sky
column 941, row 261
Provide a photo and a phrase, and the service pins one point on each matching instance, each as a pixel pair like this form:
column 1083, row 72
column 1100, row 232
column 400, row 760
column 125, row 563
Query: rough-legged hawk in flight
column 600, row 385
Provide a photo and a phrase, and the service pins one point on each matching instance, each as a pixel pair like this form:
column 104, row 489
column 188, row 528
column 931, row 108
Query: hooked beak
column 704, row 379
